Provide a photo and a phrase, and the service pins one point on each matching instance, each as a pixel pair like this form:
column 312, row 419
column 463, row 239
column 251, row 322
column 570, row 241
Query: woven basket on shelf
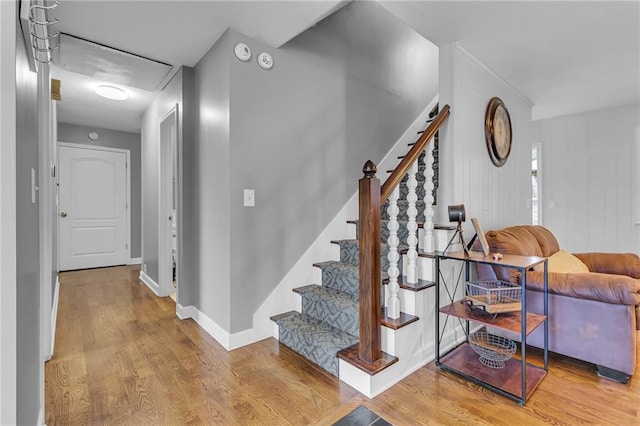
column 493, row 350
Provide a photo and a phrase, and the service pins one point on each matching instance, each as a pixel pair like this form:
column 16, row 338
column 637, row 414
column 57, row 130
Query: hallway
column 123, row 358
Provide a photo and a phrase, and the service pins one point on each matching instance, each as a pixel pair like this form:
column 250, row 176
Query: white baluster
column 427, row 243
column 393, row 301
column 412, row 226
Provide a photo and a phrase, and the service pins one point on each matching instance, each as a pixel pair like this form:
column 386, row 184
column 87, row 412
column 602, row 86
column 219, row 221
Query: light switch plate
column 249, row 198
column 34, row 186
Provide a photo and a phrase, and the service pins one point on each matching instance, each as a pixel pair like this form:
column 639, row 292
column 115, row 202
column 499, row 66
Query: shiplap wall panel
column 589, row 183
column 498, row 197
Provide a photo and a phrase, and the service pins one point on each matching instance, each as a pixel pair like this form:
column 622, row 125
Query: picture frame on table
column 480, row 234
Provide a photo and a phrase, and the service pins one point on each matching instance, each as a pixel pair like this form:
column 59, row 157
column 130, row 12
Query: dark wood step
column 352, row 356
column 395, row 324
column 429, row 255
column 419, row 286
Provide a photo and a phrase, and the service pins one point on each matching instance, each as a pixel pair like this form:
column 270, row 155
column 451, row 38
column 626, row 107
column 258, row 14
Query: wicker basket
column 493, row 350
column 494, row 296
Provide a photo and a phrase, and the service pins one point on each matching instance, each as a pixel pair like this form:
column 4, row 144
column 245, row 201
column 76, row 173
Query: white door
column 168, row 254
column 92, row 212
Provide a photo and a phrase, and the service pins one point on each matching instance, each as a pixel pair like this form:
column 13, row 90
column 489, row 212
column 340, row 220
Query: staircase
column 328, row 323
column 329, row 320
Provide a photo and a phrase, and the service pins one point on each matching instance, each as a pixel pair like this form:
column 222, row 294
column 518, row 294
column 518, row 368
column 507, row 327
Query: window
column 536, row 212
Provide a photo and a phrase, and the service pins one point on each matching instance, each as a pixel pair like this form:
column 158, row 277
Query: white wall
column 8, row 212
column 498, row 197
column 589, row 188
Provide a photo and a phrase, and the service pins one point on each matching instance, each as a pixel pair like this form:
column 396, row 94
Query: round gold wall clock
column 497, row 131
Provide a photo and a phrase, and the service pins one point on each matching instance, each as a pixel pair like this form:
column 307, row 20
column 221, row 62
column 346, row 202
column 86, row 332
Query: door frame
column 127, row 152
column 168, row 160
column 47, row 208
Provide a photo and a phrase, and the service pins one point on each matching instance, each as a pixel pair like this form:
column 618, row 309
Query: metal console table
column 462, row 360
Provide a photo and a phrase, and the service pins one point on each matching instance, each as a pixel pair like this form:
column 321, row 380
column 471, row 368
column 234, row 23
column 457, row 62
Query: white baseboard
column 135, row 261
column 54, row 316
column 153, row 286
column 41, row 417
column 227, row 340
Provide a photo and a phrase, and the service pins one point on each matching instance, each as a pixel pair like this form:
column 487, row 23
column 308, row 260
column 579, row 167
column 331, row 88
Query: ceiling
column 566, row 57
column 174, row 32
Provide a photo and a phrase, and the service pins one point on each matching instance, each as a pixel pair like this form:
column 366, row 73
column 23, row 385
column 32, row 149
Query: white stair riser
column 408, row 362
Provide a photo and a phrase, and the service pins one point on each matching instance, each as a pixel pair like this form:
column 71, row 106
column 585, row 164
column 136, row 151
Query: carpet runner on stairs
column 329, row 320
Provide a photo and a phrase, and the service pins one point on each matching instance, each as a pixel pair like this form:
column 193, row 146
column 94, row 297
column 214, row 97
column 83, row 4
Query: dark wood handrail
column 371, row 197
column 413, row 154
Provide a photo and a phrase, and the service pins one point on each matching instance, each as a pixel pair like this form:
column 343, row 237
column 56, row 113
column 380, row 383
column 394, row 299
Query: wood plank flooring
column 122, row 357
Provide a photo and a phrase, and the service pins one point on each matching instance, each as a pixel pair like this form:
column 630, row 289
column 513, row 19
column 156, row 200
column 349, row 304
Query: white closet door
column 92, row 213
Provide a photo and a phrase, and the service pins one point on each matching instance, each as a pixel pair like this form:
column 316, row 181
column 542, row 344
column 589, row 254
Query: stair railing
column 371, row 197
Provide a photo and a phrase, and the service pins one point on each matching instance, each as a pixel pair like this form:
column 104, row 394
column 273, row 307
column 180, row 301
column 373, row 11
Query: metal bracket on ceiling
column 39, row 31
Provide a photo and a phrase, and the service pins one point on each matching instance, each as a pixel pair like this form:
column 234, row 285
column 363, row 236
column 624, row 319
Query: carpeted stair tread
column 336, row 308
column 350, row 251
column 314, row 339
column 341, row 276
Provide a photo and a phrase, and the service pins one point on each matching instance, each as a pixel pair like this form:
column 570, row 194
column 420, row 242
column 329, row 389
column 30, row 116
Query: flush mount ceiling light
column 111, row 92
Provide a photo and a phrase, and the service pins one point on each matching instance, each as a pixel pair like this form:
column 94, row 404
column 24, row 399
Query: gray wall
column 212, row 171
column 188, row 233
column 590, row 180
column 27, row 244
column 115, row 139
column 371, row 47
column 179, row 91
column 299, row 135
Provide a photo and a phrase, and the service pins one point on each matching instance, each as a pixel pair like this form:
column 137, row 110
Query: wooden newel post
column 370, row 347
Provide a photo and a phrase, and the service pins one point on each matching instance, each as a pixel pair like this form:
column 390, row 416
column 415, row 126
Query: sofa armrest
column 608, row 288
column 612, row 263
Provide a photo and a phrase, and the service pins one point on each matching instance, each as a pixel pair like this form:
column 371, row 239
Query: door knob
column 63, row 214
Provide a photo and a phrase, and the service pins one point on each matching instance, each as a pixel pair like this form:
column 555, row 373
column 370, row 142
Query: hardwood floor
column 122, row 357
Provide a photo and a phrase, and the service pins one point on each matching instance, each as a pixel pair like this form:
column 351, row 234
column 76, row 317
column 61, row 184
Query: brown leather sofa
column 593, row 316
